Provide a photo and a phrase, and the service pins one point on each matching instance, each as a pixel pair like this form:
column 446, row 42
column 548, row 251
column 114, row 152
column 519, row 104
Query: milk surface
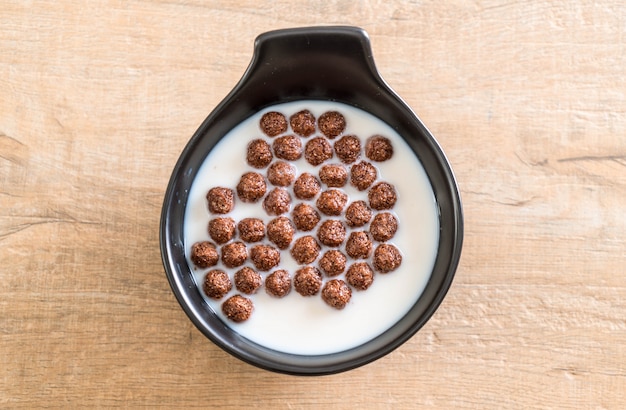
column 307, row 325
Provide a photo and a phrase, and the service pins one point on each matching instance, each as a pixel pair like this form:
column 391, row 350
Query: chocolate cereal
column 387, row 258
column 378, row 148
column 332, row 202
column 247, row 280
column 359, row 245
column 278, row 283
column 305, row 217
column 383, row 226
column 331, row 233
column 259, row 154
column 336, row 293
column 251, row 187
column 265, row 257
column 307, row 281
column 333, row 262
column 280, row 232
column 220, row 200
column 237, row 308
column 277, row 202
column 334, row 175
column 281, row 173
column 358, row 214
column 363, row 175
column 251, row 229
column 306, row 186
column 216, row 284
column 303, row 123
column 204, row 254
column 360, row 275
column 382, row 196
column 273, row 123
column 288, row 147
column 332, row 123
column 334, row 230
column 317, row 151
column 305, row 250
column 234, row 254
column 221, row 230
column 348, row 148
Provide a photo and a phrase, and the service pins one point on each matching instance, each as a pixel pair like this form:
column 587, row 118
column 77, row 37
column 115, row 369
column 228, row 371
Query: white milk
column 307, row 325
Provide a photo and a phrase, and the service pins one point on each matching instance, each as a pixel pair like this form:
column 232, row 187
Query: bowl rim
column 279, row 57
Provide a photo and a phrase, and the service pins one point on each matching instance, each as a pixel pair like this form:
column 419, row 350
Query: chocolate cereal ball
column 383, row 226
column 280, row 232
column 331, row 233
column 281, row 173
column 288, row 147
column 306, row 186
column 305, row 217
column 259, row 154
column 359, row 245
column 382, row 196
column 265, row 257
column 222, row 230
column 332, row 202
column 331, row 123
column 307, row 281
column 317, row 151
column 363, row 175
column 358, row 214
column 305, row 250
column 278, row 283
column 277, row 202
column 378, row 148
column 234, row 254
column 237, row 308
column 273, row 123
column 251, row 229
column 220, row 200
column 336, row 293
column 334, row 175
column 251, row 187
column 247, row 280
column 333, row 263
column 216, row 284
column 348, row 148
column 204, row 254
column 360, row 276
column 387, row 258
column 303, row 123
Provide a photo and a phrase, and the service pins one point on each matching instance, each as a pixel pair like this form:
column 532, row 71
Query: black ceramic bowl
column 315, row 63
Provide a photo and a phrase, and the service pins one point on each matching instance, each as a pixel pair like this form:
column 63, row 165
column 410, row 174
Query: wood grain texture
column 526, row 98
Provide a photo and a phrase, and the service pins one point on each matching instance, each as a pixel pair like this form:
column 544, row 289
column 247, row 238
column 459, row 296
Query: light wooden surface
column 527, row 99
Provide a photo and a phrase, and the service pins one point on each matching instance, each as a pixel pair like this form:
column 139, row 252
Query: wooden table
column 528, row 101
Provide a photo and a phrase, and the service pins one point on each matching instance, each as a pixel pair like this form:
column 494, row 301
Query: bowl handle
column 309, row 62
